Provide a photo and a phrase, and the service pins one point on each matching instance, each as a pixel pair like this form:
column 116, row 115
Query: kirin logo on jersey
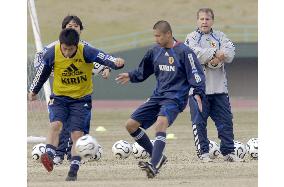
column 72, row 75
column 166, row 68
column 171, row 60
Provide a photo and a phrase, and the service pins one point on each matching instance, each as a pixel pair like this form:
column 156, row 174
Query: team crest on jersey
column 171, row 60
column 212, row 44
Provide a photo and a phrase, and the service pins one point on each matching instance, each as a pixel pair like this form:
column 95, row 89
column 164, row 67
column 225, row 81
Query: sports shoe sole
column 145, row 167
column 47, row 162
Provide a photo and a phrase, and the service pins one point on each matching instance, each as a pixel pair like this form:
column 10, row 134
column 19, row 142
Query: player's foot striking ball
column 47, row 162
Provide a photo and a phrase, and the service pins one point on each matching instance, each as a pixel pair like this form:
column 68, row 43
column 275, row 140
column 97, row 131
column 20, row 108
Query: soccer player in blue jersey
column 177, row 70
column 65, row 143
column 72, row 63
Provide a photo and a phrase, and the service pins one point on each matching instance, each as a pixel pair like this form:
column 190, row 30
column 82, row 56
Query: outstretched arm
column 94, row 55
column 122, row 78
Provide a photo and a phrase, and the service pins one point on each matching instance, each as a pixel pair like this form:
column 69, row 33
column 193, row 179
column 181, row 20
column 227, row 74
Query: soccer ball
column 86, row 146
column 215, row 66
column 121, row 149
column 38, row 150
column 98, row 155
column 252, row 148
column 214, row 149
column 240, row 149
column 139, row 152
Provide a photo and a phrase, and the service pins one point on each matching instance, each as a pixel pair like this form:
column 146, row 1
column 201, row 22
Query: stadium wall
column 242, row 76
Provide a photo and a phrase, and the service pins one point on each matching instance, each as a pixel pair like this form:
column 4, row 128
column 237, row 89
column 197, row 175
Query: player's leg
column 167, row 114
column 80, row 113
column 199, row 127
column 62, row 148
column 143, row 117
column 57, row 114
column 222, row 116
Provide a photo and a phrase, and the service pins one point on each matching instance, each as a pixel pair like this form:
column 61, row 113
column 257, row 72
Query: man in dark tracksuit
column 177, row 70
column 213, row 50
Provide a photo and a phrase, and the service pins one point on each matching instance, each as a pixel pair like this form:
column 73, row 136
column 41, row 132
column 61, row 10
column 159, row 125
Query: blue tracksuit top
column 177, row 70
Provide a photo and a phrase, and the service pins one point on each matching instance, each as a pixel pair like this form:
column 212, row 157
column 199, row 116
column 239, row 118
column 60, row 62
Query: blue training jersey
column 90, row 55
column 177, row 70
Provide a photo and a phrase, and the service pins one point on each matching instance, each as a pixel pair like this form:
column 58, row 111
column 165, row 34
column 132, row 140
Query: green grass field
column 183, row 168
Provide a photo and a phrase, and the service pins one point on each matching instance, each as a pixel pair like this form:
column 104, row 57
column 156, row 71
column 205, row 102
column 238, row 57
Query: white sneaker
column 205, row 158
column 231, row 157
column 57, row 160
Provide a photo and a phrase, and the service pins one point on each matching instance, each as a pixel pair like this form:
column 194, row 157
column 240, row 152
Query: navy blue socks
column 143, row 140
column 158, row 149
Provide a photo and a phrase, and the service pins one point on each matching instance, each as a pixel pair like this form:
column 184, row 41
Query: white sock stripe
column 77, row 162
column 161, row 138
column 139, row 135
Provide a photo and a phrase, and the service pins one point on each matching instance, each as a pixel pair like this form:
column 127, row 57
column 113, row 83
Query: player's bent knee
column 132, row 125
column 161, row 124
column 56, row 126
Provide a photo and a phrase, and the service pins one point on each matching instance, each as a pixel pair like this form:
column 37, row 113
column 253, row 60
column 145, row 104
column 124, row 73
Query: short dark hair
column 206, row 10
column 69, row 18
column 163, row 26
column 69, row 37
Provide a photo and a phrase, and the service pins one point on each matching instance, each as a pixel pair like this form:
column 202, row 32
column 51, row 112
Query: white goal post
column 37, row 112
column 36, row 31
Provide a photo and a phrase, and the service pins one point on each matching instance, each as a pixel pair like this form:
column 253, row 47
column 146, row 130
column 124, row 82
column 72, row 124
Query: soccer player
column 72, row 63
column 177, row 70
column 64, row 146
column 213, row 50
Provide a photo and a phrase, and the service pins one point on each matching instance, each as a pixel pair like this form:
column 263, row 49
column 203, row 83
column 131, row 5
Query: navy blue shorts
column 77, row 112
column 148, row 112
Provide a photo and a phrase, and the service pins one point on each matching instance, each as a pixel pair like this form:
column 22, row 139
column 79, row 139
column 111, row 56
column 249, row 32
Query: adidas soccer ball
column 139, row 152
column 98, row 155
column 86, row 146
column 214, row 149
column 38, row 150
column 121, row 149
column 240, row 149
column 252, row 148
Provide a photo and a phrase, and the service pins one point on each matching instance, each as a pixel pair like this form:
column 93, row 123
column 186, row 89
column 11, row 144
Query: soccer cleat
column 163, row 161
column 72, row 176
column 57, row 160
column 151, row 171
column 205, row 158
column 47, row 162
column 231, row 157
